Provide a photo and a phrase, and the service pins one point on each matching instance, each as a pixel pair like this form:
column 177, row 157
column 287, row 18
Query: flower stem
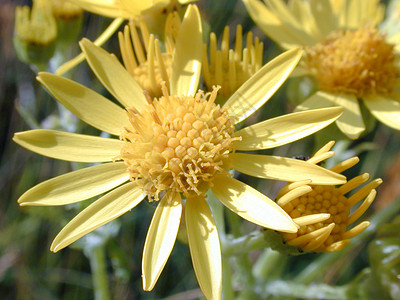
column 292, row 289
column 244, row 244
column 99, row 274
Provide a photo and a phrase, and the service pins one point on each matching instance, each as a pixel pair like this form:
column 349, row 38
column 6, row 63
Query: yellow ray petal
column 286, row 129
column 86, row 104
column 337, row 246
column 356, row 230
column 323, row 16
column 205, row 249
column 293, row 194
column 290, row 22
column 160, row 238
column 362, row 208
column 186, row 62
column 318, row 100
column 114, row 76
column 262, row 85
column 98, row 42
column 137, row 7
column 100, row 212
column 364, row 191
column 351, row 122
column 76, row 186
column 107, row 8
column 251, row 205
column 319, row 240
column 385, row 110
column 69, row 146
column 311, row 219
column 306, row 238
column 282, row 168
column 271, row 25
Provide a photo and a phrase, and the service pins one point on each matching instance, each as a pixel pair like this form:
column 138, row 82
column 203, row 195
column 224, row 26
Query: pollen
column 358, row 62
column 177, row 143
column 323, row 212
column 230, row 68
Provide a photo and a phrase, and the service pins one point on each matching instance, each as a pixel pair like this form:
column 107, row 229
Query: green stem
column 227, row 289
column 269, row 265
column 320, row 265
column 27, row 116
column 296, row 290
column 245, row 244
column 233, row 221
column 99, row 273
column 217, row 210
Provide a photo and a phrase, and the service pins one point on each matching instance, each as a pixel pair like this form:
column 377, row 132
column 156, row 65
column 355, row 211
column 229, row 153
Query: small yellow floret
column 142, row 55
column 358, row 62
column 230, row 68
column 178, row 144
column 64, row 9
column 323, row 212
column 36, row 25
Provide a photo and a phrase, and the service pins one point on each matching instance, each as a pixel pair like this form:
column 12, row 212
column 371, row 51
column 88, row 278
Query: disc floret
column 177, row 143
column 358, row 62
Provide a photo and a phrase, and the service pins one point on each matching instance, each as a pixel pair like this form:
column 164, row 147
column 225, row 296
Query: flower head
column 323, row 212
column 230, row 68
column 65, row 9
column 345, row 53
column 36, row 25
column 128, row 8
column 143, row 57
column 173, row 149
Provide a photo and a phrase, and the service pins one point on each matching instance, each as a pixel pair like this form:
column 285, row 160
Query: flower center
column 177, row 143
column 322, row 199
column 358, row 62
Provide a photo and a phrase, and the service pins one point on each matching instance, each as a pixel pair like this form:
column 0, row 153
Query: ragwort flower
column 323, row 212
column 153, row 12
column 172, row 149
column 128, row 8
column 349, row 58
column 142, row 54
column 230, row 68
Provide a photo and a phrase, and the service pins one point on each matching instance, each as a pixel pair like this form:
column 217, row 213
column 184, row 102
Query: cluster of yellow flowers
column 175, row 143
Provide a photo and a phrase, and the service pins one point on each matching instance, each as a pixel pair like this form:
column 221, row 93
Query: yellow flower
column 345, row 53
column 323, row 212
column 63, row 9
column 153, row 12
column 172, row 149
column 230, row 68
column 127, row 8
column 143, row 57
column 36, row 26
